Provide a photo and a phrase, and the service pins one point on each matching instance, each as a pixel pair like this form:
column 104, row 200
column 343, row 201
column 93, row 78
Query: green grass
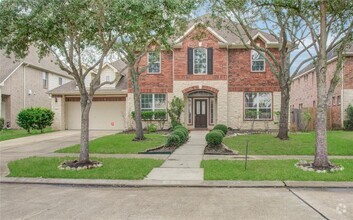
column 119, row 144
column 271, row 170
column 8, row 134
column 339, row 143
column 46, row 167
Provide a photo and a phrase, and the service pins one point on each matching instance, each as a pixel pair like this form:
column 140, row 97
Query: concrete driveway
column 38, row 145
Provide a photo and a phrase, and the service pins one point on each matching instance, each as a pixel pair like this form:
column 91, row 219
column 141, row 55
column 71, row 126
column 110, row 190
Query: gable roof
column 330, row 56
column 9, row 64
column 224, row 35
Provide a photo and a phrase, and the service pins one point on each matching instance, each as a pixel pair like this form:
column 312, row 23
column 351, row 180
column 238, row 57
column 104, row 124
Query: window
column 258, row 105
column 154, row 62
column 153, row 102
column 60, row 81
column 107, row 78
column 300, row 105
column 211, row 110
column 314, row 104
column 333, row 101
column 189, row 110
column 200, row 61
column 45, row 80
column 257, row 62
column 339, row 100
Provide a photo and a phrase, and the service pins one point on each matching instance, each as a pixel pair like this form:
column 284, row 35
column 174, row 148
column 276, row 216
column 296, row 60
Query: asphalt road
column 23, row 201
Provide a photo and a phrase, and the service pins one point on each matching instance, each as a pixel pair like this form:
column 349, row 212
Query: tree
column 330, row 25
column 148, row 25
column 243, row 17
column 176, row 109
column 79, row 33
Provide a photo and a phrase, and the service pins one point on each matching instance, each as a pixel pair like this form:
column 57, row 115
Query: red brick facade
column 233, row 65
column 304, row 91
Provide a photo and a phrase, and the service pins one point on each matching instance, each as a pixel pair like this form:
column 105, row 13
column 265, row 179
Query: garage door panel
column 103, row 115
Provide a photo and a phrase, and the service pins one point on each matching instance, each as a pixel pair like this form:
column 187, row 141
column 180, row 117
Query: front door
column 201, row 113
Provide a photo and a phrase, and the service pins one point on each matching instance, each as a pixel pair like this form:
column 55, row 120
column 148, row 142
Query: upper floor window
column 333, row 100
column 200, row 61
column 45, row 80
column 258, row 106
column 107, row 78
column 154, row 62
column 339, row 100
column 257, row 62
column 153, row 102
column 60, row 81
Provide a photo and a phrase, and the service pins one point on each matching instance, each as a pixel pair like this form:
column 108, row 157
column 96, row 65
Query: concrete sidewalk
column 268, row 157
column 183, row 163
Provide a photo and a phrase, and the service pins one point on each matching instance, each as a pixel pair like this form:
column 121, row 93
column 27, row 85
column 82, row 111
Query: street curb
column 144, row 183
column 157, row 183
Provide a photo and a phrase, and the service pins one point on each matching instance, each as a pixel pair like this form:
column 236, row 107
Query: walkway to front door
column 184, row 163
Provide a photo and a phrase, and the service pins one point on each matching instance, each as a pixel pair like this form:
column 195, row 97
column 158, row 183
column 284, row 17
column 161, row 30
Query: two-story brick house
column 304, row 90
column 218, row 78
column 24, row 83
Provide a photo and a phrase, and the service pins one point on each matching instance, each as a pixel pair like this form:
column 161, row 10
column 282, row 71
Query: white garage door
column 107, row 113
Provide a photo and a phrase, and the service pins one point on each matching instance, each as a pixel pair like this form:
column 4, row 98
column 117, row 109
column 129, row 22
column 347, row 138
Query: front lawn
column 119, row 144
column 47, row 167
column 8, row 134
column 271, row 170
column 339, row 143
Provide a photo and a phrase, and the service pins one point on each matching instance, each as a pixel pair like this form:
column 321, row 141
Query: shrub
column 35, row 118
column 175, row 110
column 220, row 131
column 147, row 115
column 173, row 140
column 181, row 135
column 221, row 127
column 160, row 115
column 2, row 123
column 214, row 138
column 152, row 128
column 348, row 124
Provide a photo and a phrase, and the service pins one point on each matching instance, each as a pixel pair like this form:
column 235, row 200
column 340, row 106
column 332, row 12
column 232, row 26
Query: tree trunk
column 321, row 159
column 283, row 120
column 138, row 121
column 86, row 103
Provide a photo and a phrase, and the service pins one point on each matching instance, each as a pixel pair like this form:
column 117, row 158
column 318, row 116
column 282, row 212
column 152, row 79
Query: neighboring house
column 25, row 83
column 209, row 68
column 304, row 91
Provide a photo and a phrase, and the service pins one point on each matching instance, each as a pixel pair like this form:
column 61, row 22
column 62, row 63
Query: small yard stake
column 246, row 153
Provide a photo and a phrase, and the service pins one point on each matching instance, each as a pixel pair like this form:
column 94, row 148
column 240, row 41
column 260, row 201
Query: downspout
column 227, row 83
column 24, row 85
column 342, row 96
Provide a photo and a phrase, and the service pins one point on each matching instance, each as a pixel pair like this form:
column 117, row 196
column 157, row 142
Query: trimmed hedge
column 178, row 137
column 214, row 138
column 220, row 131
column 173, row 140
column 221, row 127
column 180, row 134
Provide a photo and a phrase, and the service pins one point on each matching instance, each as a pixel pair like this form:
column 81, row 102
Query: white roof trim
column 109, row 65
column 2, row 83
column 193, row 27
column 259, row 34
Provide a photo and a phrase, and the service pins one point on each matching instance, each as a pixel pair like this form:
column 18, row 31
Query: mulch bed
column 308, row 166
column 77, row 165
column 160, row 150
column 219, row 150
